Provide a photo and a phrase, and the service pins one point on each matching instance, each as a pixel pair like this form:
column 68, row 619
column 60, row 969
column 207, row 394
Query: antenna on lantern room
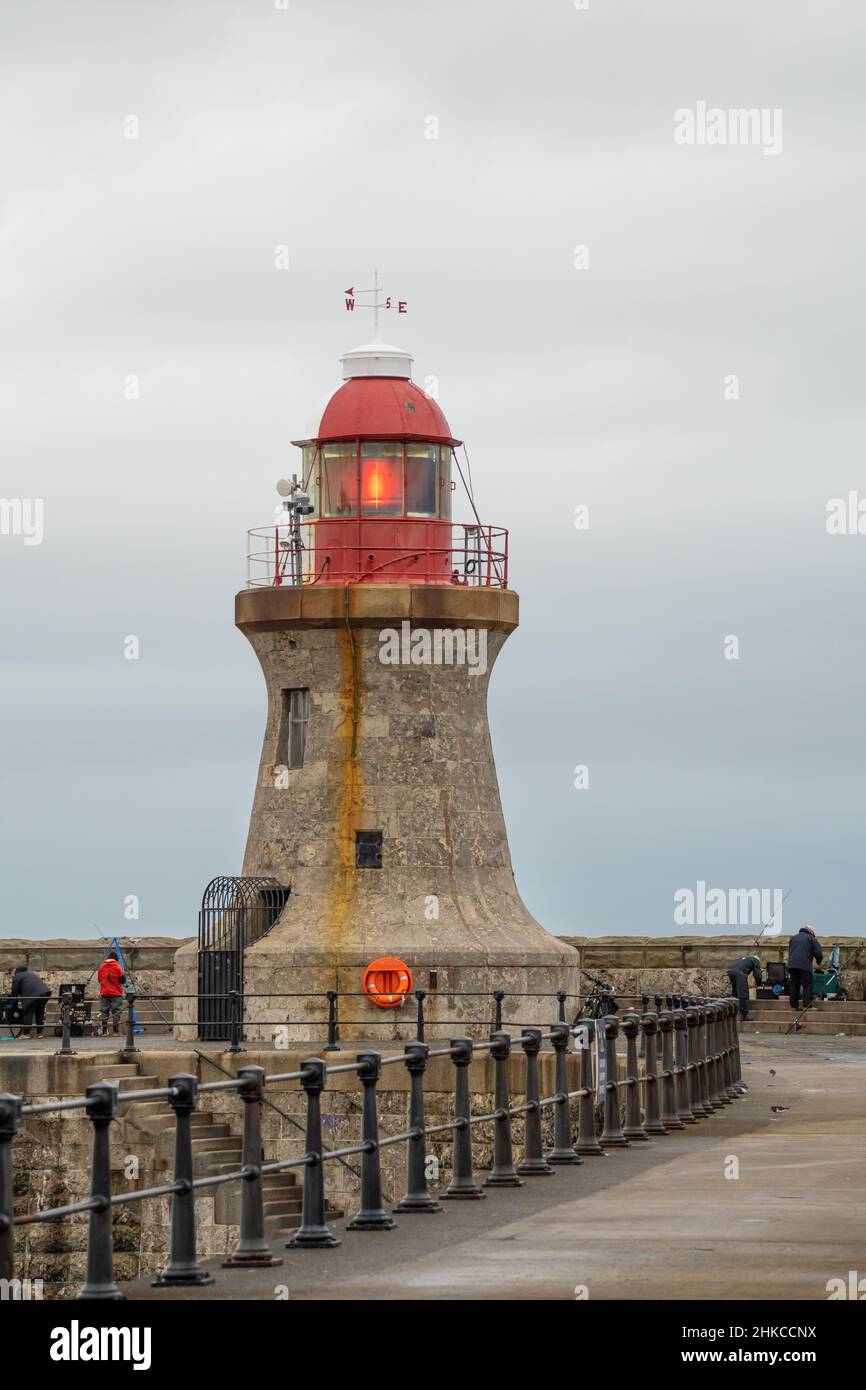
column 297, row 503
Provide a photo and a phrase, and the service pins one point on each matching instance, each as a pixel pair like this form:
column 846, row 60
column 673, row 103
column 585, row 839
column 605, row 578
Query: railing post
column 10, row 1120
column 99, row 1280
column 681, row 1076
column 717, row 1099
column 129, row 1046
column 633, row 1127
column 235, row 1022
column 562, row 996
column 730, row 1044
column 652, row 1109
column 503, row 1172
column 696, row 1105
column 372, row 1215
column 563, row 1148
column 498, row 995
column 65, row 1049
column 587, row 1142
column 722, row 1038
column 313, row 1232
column 644, row 1008
column 670, row 1118
column 533, row 1164
column 710, row 1057
column 697, row 1086
column 722, row 1073
column 183, row 1266
column 417, row 1198
column 332, row 1044
column 739, row 1084
column 703, row 1064
column 462, row 1184
column 612, row 1136
column 252, row 1250
column 420, row 995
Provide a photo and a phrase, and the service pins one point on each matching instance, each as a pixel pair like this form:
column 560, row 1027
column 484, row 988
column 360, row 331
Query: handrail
column 699, row 1072
column 436, row 551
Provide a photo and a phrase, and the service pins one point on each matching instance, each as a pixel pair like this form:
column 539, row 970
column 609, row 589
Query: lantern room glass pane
column 382, row 479
column 339, row 480
column 422, row 461
column 311, row 474
column 445, row 482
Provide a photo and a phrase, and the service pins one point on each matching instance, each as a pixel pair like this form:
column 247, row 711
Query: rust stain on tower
column 349, row 792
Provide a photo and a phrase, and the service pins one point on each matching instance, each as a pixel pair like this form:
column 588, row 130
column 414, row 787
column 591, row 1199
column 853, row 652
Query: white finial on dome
column 376, row 359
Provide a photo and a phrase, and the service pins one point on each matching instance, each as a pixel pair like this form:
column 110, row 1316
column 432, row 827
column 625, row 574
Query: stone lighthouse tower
column 377, row 619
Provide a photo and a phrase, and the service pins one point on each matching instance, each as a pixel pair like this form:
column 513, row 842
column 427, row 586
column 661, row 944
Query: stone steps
column 823, row 1019
column 830, row 1010
column 288, row 1206
column 110, row 1071
column 813, row 1027
column 215, row 1150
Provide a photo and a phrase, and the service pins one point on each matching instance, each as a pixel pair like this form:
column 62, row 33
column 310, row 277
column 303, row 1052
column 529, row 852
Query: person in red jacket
column 111, row 981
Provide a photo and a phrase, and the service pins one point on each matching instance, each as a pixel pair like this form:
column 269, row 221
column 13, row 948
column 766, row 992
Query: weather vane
column 377, row 303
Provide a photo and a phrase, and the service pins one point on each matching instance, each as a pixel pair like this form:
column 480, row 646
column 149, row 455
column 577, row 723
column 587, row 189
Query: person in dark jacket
column 32, row 993
column 738, row 974
column 803, row 948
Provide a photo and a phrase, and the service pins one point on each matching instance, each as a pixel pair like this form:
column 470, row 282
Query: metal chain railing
column 699, row 1073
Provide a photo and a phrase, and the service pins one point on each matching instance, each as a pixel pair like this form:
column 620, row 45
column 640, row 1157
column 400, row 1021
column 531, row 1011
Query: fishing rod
column 765, row 925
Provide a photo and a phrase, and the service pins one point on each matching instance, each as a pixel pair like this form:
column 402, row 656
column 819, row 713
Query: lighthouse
column 377, row 833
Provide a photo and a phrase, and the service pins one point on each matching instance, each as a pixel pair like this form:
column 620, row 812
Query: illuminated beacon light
column 381, row 485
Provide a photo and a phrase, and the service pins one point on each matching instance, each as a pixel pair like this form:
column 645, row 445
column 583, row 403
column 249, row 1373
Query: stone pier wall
column 633, row 964
column 59, row 961
column 697, row 964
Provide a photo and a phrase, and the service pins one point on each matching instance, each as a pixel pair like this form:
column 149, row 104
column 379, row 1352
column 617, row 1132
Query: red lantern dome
column 378, row 407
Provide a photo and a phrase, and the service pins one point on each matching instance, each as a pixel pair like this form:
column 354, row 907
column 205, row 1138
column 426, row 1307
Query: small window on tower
column 292, row 741
column 368, row 849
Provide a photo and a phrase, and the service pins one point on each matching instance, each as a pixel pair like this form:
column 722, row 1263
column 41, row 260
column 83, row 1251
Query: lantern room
column 376, row 483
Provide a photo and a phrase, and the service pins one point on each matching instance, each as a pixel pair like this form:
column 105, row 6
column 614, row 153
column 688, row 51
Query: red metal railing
column 340, row 551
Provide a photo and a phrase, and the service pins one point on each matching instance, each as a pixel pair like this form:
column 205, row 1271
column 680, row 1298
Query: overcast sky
column 607, row 385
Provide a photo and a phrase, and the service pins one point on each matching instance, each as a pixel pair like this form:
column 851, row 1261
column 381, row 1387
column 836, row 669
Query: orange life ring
column 387, row 982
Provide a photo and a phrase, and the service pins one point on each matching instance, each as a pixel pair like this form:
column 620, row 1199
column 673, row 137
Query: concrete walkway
column 653, row 1221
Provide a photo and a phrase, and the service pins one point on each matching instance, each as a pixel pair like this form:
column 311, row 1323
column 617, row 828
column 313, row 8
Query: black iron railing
column 699, row 1073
